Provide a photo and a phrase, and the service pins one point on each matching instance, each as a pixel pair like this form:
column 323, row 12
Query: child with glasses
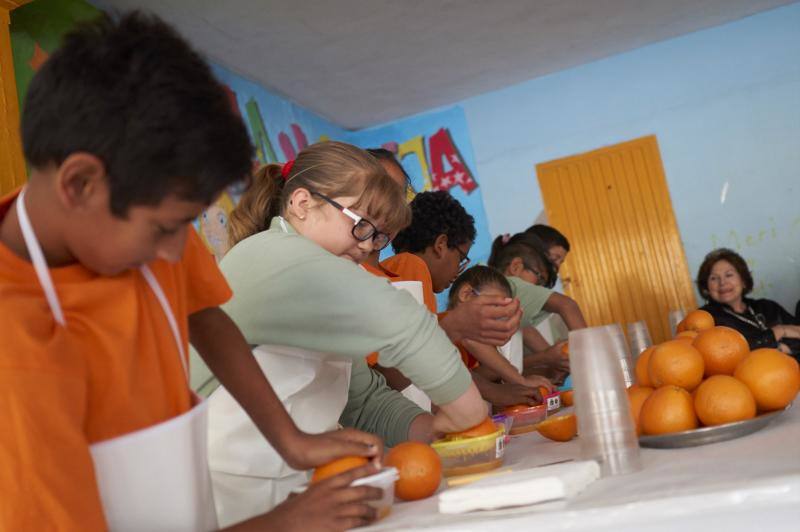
column 499, row 382
column 298, row 234
column 522, row 261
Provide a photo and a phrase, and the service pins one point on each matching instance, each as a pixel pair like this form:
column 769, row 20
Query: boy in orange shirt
column 102, row 285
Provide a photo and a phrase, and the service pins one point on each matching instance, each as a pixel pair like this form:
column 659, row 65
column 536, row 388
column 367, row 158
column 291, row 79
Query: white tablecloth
column 750, row 484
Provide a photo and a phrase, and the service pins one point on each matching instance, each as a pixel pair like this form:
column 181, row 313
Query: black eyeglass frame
column 379, row 239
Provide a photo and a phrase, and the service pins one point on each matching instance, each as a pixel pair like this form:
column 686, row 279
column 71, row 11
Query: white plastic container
column 384, row 480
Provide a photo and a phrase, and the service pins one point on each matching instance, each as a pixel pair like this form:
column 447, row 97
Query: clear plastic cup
column 639, row 338
column 675, row 317
column 606, row 429
column 621, row 351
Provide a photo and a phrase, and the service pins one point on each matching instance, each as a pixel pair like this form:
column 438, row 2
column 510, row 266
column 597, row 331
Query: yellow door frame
column 12, row 162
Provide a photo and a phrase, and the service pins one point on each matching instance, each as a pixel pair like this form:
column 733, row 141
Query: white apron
column 411, row 392
column 249, row 476
column 155, row 478
column 513, row 350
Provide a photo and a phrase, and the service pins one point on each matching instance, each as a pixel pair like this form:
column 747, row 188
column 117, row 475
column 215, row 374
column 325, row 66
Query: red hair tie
column 287, row 168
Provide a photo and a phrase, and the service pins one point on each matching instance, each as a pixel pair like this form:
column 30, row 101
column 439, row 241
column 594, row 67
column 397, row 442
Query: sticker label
column 553, row 402
column 499, row 446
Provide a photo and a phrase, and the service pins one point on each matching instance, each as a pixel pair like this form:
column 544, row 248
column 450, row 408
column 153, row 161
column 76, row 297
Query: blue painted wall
column 724, row 104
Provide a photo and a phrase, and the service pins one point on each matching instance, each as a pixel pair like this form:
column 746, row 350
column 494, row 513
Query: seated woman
column 724, row 280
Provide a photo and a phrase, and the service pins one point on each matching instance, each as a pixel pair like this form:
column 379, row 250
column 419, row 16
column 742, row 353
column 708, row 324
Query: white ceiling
column 363, row 62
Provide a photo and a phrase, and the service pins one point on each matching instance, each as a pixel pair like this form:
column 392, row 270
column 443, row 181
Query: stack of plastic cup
column 623, row 354
column 606, row 429
column 675, row 317
column 639, row 337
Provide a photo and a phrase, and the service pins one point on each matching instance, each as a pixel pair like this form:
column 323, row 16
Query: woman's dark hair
column 550, row 236
column 526, row 247
column 382, row 154
column 734, row 259
column 433, row 214
column 133, row 93
column 477, row 277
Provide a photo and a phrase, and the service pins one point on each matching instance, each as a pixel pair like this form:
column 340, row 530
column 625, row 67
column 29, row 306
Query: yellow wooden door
column 12, row 163
column 626, row 262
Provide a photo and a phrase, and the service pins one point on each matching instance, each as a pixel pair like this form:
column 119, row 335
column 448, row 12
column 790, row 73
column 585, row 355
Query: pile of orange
column 708, row 375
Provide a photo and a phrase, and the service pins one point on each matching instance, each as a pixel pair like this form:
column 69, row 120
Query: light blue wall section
column 724, row 104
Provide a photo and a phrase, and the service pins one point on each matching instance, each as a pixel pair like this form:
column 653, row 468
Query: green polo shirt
column 532, row 299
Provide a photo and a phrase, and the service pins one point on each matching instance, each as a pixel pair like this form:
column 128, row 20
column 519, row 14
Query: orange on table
column 340, row 465
column 559, row 428
column 723, row 399
column 722, row 349
column 698, row 320
column 688, row 336
column 419, row 468
column 773, row 378
column 668, row 409
column 487, row 426
column 676, row 362
column 637, row 395
column 567, row 398
column 642, row 363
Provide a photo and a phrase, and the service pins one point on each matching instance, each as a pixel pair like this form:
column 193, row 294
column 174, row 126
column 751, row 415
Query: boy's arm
column 503, row 395
column 567, row 308
column 223, row 348
column 489, row 356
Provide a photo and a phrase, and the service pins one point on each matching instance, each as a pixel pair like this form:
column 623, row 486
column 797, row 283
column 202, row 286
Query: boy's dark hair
column 527, row 247
column 433, row 214
column 133, row 93
column 734, row 259
column 550, row 236
column 477, row 277
column 382, row 154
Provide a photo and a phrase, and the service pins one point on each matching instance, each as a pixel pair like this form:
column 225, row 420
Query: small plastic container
column 525, row 420
column 471, row 455
column 383, row 479
column 505, row 420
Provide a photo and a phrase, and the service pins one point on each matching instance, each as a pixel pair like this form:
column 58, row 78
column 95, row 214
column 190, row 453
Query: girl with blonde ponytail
column 298, row 235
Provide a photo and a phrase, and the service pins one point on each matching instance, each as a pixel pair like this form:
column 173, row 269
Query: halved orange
column 559, row 428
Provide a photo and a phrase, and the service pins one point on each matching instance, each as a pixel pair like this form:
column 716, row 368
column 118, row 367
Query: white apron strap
column 39, row 264
column 173, row 323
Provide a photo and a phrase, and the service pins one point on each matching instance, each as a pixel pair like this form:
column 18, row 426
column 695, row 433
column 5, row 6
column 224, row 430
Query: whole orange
column 483, row 428
column 668, row 409
column 676, row 362
column 681, row 326
column 698, row 320
column 772, row 376
column 340, row 465
column 642, row 374
column 722, row 349
column 723, row 399
column 688, row 336
column 567, row 398
column 559, row 428
column 419, row 467
column 637, row 395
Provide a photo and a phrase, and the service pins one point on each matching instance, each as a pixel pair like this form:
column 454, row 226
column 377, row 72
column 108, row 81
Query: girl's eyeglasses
column 363, row 229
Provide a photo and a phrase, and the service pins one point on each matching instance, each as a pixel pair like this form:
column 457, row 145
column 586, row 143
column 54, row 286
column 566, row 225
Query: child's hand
column 310, row 450
column 553, row 358
column 535, row 381
column 503, row 395
column 329, row 505
column 490, row 320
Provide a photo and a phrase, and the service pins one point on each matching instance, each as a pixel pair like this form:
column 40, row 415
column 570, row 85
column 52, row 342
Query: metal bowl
column 706, row 435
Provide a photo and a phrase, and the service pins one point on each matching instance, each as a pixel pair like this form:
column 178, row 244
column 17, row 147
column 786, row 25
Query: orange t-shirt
column 466, row 357
column 412, row 268
column 114, row 369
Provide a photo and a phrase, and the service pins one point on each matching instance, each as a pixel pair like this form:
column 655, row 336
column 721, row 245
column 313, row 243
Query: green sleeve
column 289, row 291
column 374, row 407
column 532, row 299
